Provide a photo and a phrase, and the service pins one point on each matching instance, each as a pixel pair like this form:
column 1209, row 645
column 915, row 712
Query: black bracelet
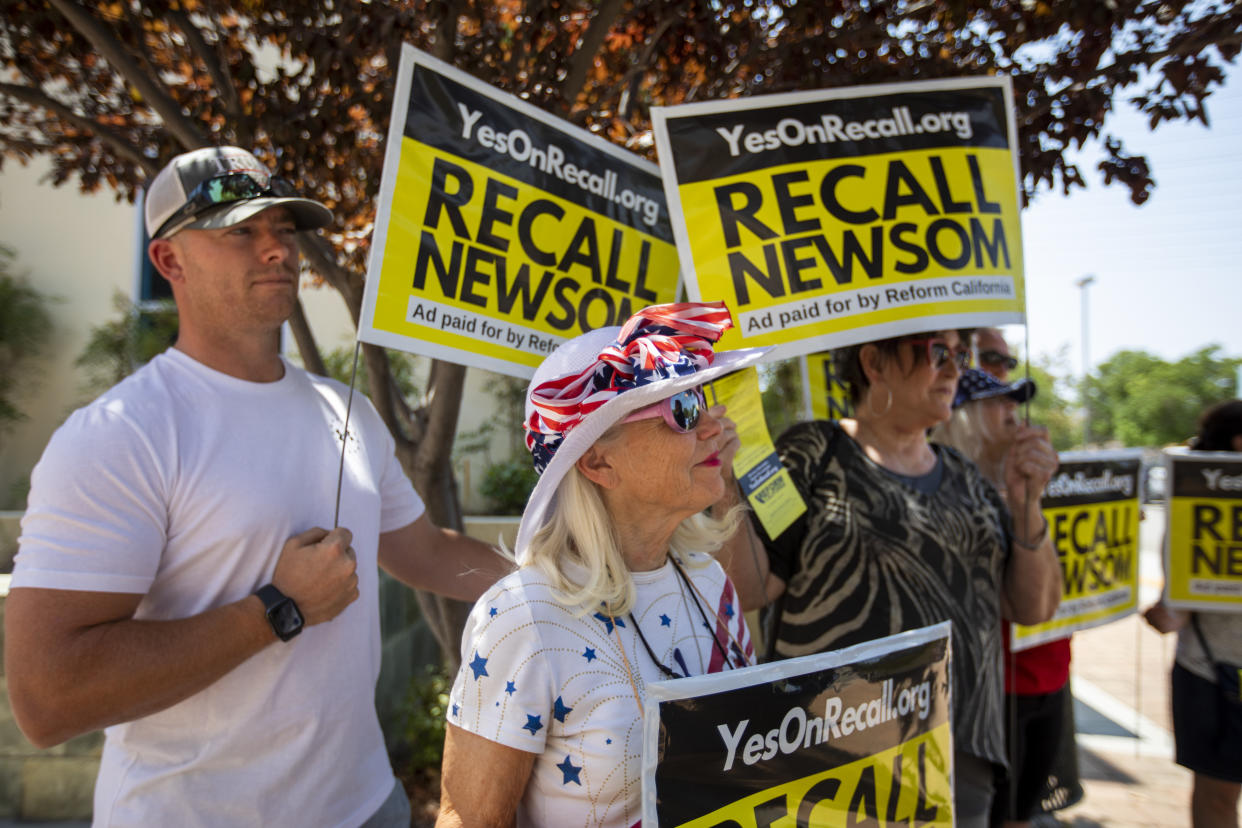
column 1039, row 539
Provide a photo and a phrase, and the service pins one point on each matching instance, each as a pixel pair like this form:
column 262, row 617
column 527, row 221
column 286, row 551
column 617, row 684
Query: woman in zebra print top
column 899, row 534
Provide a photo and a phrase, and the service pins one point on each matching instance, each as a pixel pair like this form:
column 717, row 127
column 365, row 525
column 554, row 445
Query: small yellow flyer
column 758, row 469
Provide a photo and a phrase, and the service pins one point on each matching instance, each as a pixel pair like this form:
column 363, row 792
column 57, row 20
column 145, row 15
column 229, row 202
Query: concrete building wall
column 80, row 250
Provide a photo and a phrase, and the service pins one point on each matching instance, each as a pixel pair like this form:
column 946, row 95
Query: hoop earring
column 871, row 406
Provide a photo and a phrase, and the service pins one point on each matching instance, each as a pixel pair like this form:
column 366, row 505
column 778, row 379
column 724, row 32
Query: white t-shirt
column 182, row 484
column 538, row 677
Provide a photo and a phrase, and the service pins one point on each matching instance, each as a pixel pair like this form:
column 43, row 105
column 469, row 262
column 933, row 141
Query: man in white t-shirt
column 175, row 583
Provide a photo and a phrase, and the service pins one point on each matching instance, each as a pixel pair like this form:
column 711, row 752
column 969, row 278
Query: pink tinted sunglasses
column 681, row 411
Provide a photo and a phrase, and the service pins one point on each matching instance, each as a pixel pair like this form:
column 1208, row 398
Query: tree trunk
column 430, row 467
column 305, row 339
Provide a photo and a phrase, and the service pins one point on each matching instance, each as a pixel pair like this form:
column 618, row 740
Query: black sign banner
column 859, row 735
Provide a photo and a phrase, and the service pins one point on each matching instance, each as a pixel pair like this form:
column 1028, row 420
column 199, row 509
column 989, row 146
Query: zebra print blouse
column 873, row 557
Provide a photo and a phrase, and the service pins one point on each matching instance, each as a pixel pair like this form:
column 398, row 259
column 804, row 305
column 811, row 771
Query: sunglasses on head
column 938, row 353
column 997, row 358
column 225, row 189
column 681, row 411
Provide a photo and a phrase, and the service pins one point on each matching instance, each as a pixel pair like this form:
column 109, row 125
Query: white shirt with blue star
column 537, row 677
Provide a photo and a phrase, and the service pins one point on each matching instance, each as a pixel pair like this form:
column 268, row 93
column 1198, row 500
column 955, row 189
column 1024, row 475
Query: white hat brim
column 605, row 417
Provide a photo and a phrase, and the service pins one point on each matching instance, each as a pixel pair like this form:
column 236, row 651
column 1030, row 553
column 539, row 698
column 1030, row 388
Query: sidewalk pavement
column 1120, row 680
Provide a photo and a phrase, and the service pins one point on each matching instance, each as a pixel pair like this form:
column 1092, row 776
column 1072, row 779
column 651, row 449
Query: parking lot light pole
column 1083, row 284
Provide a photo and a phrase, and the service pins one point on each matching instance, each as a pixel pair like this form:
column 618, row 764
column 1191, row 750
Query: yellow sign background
column 1098, row 549
column 593, row 302
column 986, row 239
column 830, row 399
column 1185, row 567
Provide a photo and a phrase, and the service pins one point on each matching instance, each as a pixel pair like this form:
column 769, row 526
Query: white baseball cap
column 218, row 187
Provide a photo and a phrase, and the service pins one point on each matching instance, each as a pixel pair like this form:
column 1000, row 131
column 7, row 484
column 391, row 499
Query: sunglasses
column 682, row 411
column 938, row 353
column 997, row 358
column 225, row 189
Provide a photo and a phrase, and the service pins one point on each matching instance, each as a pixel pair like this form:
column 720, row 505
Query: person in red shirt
column 1036, row 679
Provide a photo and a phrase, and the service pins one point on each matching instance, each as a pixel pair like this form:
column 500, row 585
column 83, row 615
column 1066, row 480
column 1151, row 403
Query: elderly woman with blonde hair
column 616, row 585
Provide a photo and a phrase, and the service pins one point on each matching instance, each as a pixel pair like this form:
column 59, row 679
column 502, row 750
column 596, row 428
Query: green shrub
column 507, row 485
column 426, row 707
column 122, row 345
column 25, row 326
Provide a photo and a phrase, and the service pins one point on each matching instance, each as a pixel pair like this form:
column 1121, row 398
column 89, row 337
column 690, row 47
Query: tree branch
column 633, row 78
column 302, row 334
column 211, row 59
column 379, row 381
column 322, row 259
column 444, row 389
column 583, row 57
column 169, row 110
column 121, row 146
column 445, row 43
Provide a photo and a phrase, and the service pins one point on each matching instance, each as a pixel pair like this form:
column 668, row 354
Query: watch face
column 285, row 619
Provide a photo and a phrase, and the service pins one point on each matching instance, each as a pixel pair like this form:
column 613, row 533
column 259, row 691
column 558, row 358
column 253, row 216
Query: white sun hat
column 590, row 383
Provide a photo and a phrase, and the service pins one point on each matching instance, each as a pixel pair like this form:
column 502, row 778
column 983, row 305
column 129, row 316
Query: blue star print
column 589, row 655
column 571, row 772
column 729, row 610
column 608, row 622
column 456, row 710
column 510, row 688
column 479, row 665
column 492, row 612
column 665, row 621
column 559, row 710
column 533, row 724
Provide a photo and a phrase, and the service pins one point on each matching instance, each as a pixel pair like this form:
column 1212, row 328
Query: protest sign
column 1092, row 508
column 826, row 396
column 854, row 736
column 839, row 216
column 1203, row 535
column 502, row 231
column 763, row 480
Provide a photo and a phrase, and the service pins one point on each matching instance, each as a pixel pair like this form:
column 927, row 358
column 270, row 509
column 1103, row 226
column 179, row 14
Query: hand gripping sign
column 757, row 468
column 853, row 736
column 1203, row 535
column 503, row 231
column 1092, row 509
column 840, row 216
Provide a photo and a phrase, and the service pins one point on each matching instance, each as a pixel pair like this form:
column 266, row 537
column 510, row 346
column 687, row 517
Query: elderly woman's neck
column 895, row 446
column 644, row 546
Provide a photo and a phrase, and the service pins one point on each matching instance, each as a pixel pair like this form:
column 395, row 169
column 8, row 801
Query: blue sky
column 1168, row 274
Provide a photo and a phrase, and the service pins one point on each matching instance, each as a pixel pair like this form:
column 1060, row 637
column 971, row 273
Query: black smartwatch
column 282, row 613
